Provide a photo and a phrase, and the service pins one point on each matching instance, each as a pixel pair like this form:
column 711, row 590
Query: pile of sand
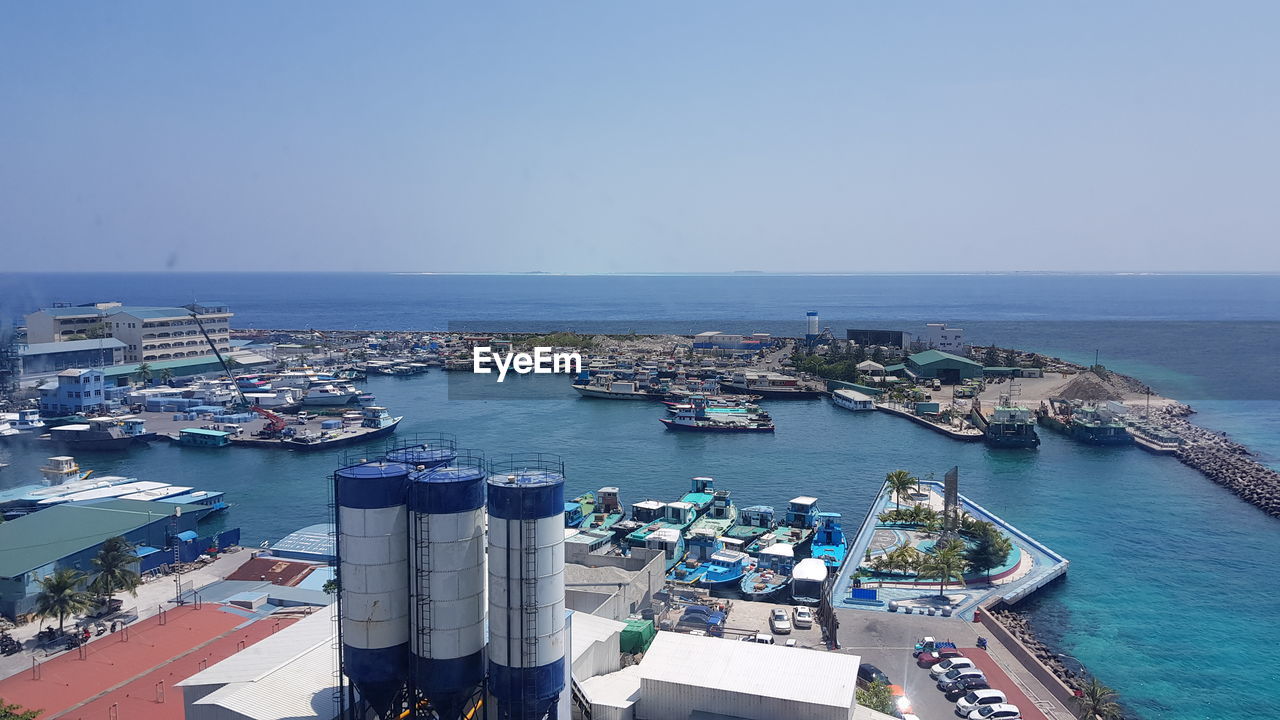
column 1091, row 387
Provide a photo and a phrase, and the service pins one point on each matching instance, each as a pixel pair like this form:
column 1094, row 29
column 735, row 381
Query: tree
column 899, row 482
column 877, row 697
column 877, row 354
column 859, row 354
column 16, row 712
column 114, row 563
column 144, row 372
column 166, row 376
column 60, row 595
column 991, row 358
column 946, row 563
column 991, row 550
column 1097, row 701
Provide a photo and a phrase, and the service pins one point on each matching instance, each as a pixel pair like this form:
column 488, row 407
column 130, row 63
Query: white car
column 976, row 699
column 999, row 711
column 948, row 665
column 779, row 623
column 802, row 617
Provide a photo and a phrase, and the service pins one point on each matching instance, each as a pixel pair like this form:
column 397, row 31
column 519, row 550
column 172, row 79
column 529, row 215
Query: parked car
column 960, row 688
column 947, row 666
column 778, row 622
column 999, row 711
column 975, row 699
column 802, row 617
column 759, row 638
column 928, row 659
column 868, row 674
column 944, row 682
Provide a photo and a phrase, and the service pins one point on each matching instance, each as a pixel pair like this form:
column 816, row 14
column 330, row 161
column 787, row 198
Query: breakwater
column 1225, row 462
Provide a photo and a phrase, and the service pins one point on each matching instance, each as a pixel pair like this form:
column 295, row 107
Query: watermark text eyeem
column 541, row 361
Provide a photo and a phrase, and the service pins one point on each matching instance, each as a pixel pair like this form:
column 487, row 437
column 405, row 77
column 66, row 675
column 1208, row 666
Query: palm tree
column 144, row 372
column 114, row 563
column 60, row 595
column 166, row 376
column 945, row 563
column 899, row 482
column 1097, row 701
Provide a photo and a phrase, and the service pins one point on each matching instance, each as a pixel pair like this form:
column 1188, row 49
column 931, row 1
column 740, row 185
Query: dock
column 965, row 434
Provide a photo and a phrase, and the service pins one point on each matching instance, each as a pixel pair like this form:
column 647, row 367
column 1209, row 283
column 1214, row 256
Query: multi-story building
column 937, row 336
column 76, row 391
column 51, row 357
column 149, row 334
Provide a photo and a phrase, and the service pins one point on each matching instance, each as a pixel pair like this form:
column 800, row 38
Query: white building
column 149, row 334
column 937, row 336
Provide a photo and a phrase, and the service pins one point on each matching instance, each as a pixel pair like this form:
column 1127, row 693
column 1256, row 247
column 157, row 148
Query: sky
column 587, row 137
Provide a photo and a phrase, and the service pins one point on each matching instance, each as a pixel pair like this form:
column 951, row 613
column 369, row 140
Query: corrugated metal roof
column 590, row 629
column 50, row 348
column 775, row 671
column 933, row 356
column 303, row 688
column 274, row 653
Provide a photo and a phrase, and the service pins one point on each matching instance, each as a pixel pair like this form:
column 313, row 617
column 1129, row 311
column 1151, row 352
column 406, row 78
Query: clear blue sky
column 617, row 137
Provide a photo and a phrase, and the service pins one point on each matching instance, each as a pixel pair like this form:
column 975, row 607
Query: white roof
column 804, row 500
column 589, row 629
column 783, row 549
column 810, row 569
column 730, row 555
column 649, row 504
column 263, row 658
column 668, row 534
column 680, row 504
column 617, row 689
column 870, row 365
column 107, row 492
column 771, row 671
column 158, row 493
column 853, row 395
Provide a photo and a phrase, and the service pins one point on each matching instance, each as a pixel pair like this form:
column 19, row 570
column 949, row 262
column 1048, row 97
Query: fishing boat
column 102, row 433
column 652, row 516
column 770, row 575
column 753, row 522
column 670, row 541
column 796, row 529
column 578, row 509
column 852, row 400
column 695, row 418
column 606, row 511
column 828, row 543
column 723, row 570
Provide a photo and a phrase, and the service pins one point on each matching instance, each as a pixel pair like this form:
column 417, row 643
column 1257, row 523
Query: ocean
column 1168, row 596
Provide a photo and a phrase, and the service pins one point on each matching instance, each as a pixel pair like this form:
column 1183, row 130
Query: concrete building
column 52, row 357
column 715, row 342
column 948, row 368
column 937, row 336
column 74, row 391
column 148, row 333
column 611, row 586
column 68, row 536
column 883, row 338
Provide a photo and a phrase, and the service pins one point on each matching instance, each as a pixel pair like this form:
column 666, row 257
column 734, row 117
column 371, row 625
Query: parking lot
column 748, row 617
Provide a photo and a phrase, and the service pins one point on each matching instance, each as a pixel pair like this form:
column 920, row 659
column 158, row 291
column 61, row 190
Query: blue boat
column 724, row 570
column 828, row 540
column 771, row 575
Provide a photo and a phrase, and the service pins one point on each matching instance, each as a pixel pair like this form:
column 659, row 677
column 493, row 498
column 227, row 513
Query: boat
column 650, row 516
column 722, row 570
column 102, row 433
column 365, row 399
column 606, row 512
column 807, row 578
column 1088, row 424
column 852, row 400
column 828, row 542
column 577, row 510
column 28, row 422
column 796, row 530
column 329, row 393
column 603, row 386
column 695, row 418
column 1008, row 425
column 753, row 522
column 376, row 423
column 670, row 541
column 8, row 431
column 768, row 385
column 770, row 575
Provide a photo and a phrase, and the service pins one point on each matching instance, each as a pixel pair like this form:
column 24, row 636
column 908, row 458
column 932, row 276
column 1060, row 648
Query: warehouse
column 949, row 369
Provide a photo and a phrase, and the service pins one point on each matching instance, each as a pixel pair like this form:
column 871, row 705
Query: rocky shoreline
column 1018, row 626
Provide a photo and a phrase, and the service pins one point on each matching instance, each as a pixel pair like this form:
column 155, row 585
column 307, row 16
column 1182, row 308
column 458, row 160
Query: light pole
column 177, row 558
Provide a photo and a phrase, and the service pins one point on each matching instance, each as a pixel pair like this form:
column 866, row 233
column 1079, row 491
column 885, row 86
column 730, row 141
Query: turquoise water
column 1168, row 598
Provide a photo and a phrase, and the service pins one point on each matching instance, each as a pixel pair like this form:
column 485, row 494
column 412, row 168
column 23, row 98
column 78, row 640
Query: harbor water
column 1169, row 596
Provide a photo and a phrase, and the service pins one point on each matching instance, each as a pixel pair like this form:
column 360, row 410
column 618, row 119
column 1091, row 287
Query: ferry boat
column 102, row 433
column 608, row 388
column 828, row 543
column 695, row 418
column 376, row 423
column 852, row 400
column 769, row 385
column 771, row 574
column 1009, row 425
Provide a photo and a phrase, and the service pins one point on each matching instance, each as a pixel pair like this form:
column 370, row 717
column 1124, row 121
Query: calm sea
column 1169, row 596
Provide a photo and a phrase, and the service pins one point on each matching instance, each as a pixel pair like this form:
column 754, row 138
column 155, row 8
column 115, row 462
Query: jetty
column 961, row 431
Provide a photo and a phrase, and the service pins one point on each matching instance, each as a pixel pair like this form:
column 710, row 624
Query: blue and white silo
column 373, row 576
column 446, row 532
column 424, row 451
column 526, row 586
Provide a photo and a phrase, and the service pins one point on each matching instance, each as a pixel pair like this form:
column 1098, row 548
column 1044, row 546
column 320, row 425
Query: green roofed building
column 69, row 536
column 948, row 368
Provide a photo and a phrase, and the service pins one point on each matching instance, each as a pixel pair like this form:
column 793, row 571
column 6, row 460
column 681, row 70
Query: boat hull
column 590, row 392
column 770, row 393
column 673, row 425
column 102, row 444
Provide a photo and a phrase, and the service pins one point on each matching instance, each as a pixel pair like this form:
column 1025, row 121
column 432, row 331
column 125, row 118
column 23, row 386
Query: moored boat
column 102, row 433
column 828, row 543
column 852, row 400
column 695, row 418
column 771, row 574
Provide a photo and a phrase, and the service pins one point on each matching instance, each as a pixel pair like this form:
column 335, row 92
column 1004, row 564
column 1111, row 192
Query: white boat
column 852, row 400
column 329, row 394
column 614, row 390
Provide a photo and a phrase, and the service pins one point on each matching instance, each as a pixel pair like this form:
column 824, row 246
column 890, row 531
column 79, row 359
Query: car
column 791, row 643
column 759, row 638
column 868, row 674
column 802, row 617
column 928, row 659
column 947, row 666
column 778, row 622
column 945, row 682
column 999, row 711
column 975, row 699
column 960, row 688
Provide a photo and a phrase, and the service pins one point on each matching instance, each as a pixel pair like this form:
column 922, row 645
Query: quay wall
column 1025, row 656
column 953, row 434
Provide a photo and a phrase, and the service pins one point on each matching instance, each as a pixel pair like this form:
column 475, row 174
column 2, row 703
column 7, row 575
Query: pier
column 966, row 434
